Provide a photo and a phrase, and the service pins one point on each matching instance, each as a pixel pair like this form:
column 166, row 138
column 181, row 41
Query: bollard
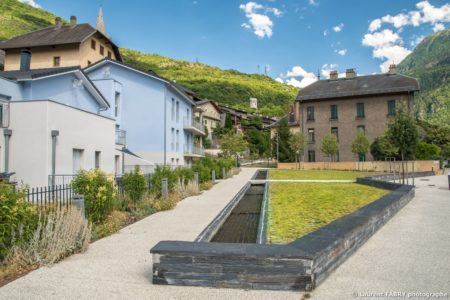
column 164, row 188
column 213, row 176
column 196, row 178
column 78, row 202
column 224, row 173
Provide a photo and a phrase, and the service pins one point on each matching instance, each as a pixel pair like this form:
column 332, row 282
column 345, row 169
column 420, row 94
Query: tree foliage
column 233, row 144
column 329, row 145
column 298, row 144
column 280, row 142
column 402, row 133
column 360, row 144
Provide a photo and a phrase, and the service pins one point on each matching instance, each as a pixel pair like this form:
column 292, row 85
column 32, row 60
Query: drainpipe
column 123, row 160
column 55, row 134
column 7, row 133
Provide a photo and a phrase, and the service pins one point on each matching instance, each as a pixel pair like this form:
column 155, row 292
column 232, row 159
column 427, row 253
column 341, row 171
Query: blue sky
column 296, row 39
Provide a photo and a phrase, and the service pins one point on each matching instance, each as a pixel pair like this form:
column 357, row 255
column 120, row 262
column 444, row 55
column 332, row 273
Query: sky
column 294, row 41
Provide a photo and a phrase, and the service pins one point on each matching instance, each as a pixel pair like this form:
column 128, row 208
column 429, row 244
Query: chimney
column 392, row 69
column 58, row 23
column 333, row 75
column 350, row 73
column 73, row 21
column 25, row 59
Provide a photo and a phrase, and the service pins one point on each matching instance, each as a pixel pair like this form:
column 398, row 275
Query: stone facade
column 347, row 123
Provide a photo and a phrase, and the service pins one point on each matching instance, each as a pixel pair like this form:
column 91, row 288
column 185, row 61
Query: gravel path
column 120, row 266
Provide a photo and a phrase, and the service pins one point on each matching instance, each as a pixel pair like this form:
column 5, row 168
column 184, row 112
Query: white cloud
column 31, row 3
column 279, row 80
column 299, row 77
column 438, row 27
column 381, row 38
column 391, row 54
column 313, row 2
column 338, row 28
column 425, row 13
column 342, row 52
column 325, row 32
column 326, row 68
column 416, row 41
column 260, row 23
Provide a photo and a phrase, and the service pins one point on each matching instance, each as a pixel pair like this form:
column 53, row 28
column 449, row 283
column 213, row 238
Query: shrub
column 113, row 223
column 427, row 151
column 160, row 173
column 186, row 189
column 58, row 235
column 134, row 185
column 18, row 218
column 99, row 193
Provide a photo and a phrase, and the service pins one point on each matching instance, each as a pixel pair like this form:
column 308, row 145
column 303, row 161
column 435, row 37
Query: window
column 178, row 139
column 334, row 131
column 311, row 156
column 4, row 112
column 56, row 61
column 97, row 159
column 117, row 164
column 362, row 157
column 89, row 63
column 311, row 137
column 93, row 44
column 310, row 113
column 178, row 111
column 391, row 108
column 116, row 104
column 360, row 110
column 333, row 112
column 102, row 50
column 109, row 54
column 173, row 109
column 337, row 156
column 178, row 161
column 361, row 128
column 77, row 156
column 172, row 144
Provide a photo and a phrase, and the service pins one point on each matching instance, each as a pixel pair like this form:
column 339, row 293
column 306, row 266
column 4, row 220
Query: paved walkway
column 119, row 266
column 411, row 253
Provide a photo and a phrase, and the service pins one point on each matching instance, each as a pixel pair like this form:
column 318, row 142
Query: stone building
column 344, row 106
column 61, row 45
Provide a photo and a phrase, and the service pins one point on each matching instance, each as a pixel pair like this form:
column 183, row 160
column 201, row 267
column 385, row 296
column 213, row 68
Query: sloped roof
column 35, row 73
column 358, row 86
column 51, row 36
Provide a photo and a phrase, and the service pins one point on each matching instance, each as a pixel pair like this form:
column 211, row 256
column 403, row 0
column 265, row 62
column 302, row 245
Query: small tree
column 360, row 145
column 233, row 144
column 330, row 145
column 298, row 145
column 228, row 123
column 281, row 142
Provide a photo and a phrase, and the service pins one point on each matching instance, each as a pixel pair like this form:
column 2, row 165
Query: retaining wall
column 300, row 265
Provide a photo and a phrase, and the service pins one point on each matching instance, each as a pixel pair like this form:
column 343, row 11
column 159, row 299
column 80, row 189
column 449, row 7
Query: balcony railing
column 121, row 137
column 193, row 151
column 193, row 126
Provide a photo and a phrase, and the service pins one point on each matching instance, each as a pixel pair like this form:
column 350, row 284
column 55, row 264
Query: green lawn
column 319, row 174
column 298, row 208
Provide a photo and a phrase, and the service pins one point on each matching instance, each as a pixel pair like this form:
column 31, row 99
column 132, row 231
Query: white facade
column 30, row 145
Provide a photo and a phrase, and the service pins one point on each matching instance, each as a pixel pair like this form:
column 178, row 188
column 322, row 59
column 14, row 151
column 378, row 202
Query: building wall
column 211, row 117
column 10, row 88
column 31, row 123
column 61, row 89
column 71, row 55
column 145, row 108
column 375, row 121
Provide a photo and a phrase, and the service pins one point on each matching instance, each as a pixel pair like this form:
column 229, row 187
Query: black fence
column 56, row 195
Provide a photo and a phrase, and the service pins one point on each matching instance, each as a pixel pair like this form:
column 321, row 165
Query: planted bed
column 226, row 253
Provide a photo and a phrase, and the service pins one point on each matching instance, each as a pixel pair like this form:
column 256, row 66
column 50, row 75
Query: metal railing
column 190, row 124
column 47, row 196
column 121, row 137
column 193, row 150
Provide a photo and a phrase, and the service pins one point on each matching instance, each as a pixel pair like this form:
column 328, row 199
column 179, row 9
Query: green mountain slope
column 430, row 63
column 228, row 87
column 17, row 18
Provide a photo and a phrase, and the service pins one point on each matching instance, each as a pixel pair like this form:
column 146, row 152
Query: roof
column 176, row 87
column 358, row 86
column 35, row 73
column 198, row 103
column 42, row 73
column 51, row 36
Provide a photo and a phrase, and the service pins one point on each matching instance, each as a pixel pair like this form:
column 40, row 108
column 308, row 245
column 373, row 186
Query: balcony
column 121, row 137
column 193, row 151
column 193, row 126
